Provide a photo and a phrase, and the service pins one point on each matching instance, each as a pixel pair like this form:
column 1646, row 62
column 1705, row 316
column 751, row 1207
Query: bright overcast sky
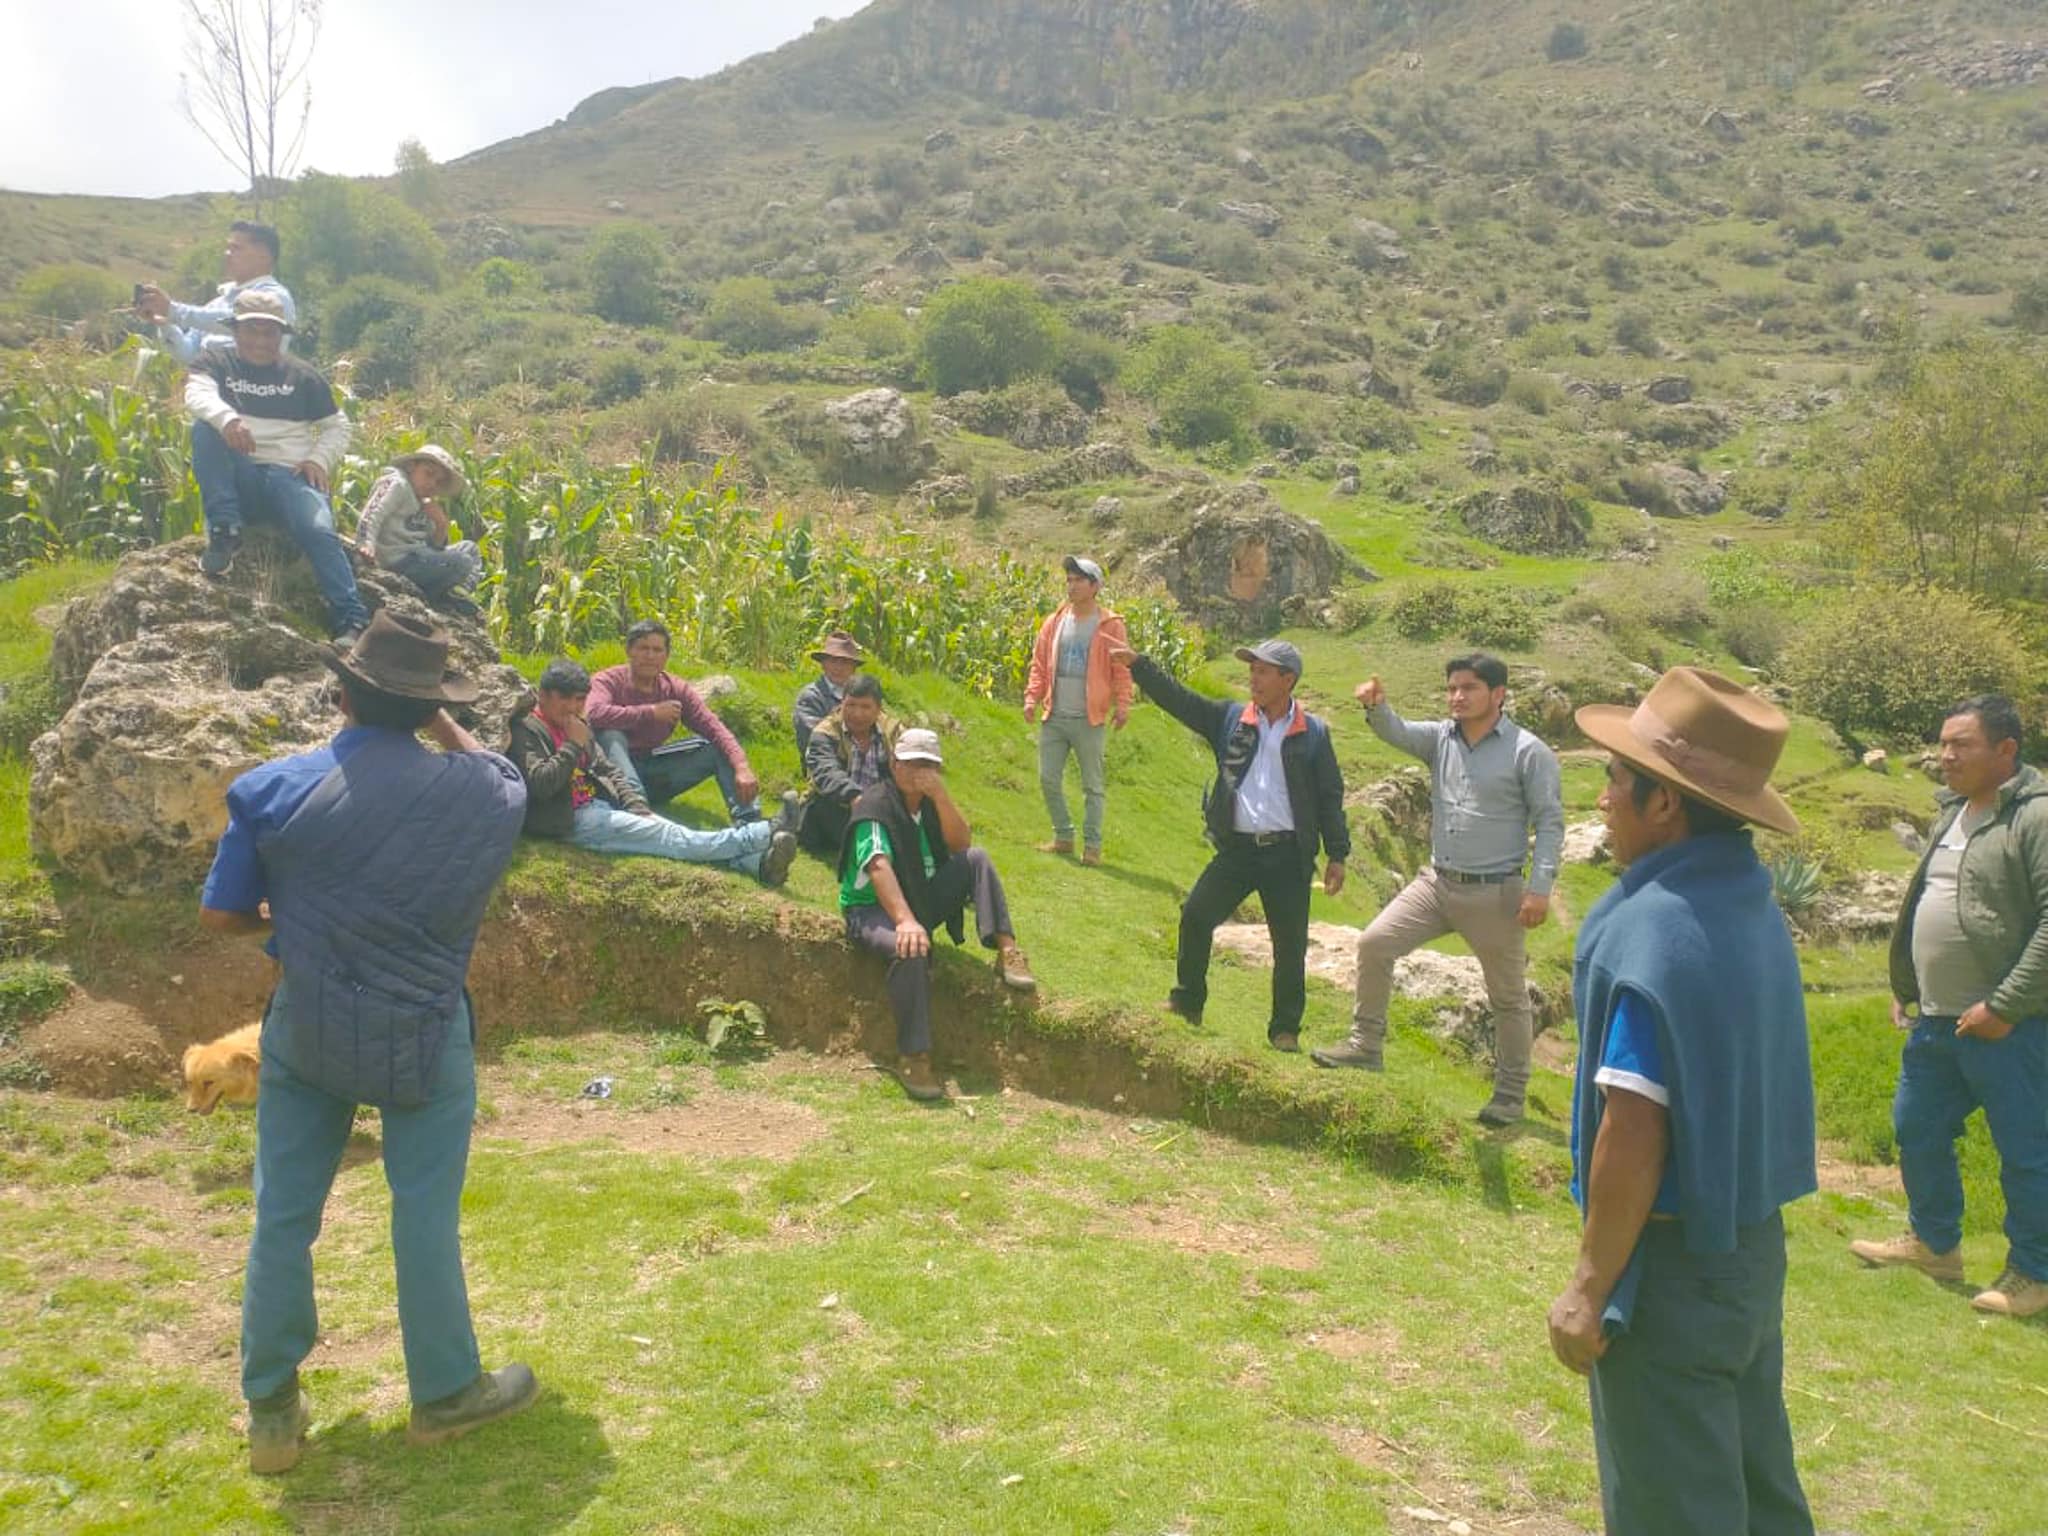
column 91, row 96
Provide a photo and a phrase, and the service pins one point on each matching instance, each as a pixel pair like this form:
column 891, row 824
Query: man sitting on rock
column 838, row 659
column 575, row 793
column 266, row 434
column 404, row 526
column 849, row 752
column 908, row 867
column 636, row 708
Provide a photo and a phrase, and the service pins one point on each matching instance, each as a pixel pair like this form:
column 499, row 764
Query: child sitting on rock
column 404, row 527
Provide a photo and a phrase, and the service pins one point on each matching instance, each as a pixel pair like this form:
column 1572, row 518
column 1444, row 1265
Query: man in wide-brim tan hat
column 368, row 864
column 1692, row 1122
column 838, row 658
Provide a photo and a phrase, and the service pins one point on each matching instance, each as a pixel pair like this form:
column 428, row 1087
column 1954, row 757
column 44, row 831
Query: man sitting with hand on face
column 907, row 867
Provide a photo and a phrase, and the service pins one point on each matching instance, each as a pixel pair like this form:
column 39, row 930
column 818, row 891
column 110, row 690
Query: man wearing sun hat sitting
column 838, row 659
column 267, row 433
column 1692, row 1123
column 907, row 868
column 369, row 862
column 404, row 526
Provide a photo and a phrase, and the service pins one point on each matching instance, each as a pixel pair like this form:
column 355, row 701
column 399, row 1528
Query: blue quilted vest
column 378, row 884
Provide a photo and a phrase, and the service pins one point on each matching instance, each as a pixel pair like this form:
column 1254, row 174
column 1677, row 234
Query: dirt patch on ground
column 718, row 1124
column 99, row 1045
column 1191, row 1230
column 1382, row 1345
column 1839, row 1176
column 1422, row 1499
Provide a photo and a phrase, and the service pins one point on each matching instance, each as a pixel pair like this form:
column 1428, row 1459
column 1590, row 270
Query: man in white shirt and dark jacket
column 1277, row 801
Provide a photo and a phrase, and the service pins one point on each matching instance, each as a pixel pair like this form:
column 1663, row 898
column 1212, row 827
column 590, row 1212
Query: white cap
column 917, row 746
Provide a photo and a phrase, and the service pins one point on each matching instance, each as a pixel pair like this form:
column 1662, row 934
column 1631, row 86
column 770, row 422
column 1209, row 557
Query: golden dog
column 223, row 1071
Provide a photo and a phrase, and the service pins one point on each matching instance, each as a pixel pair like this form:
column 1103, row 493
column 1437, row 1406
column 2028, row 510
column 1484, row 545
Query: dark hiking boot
column 776, row 859
column 1285, row 1040
column 1356, row 1052
column 277, row 1430
column 1174, row 1005
column 222, row 545
column 919, row 1080
column 1498, row 1111
column 790, row 817
column 494, row 1395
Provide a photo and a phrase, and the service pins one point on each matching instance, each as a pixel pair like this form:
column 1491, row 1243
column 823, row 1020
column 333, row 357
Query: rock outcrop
column 1241, row 559
column 1529, row 519
column 872, row 438
column 174, row 685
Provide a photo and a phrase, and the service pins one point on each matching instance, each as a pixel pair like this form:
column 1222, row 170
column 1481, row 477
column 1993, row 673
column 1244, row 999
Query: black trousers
column 1241, row 867
column 1689, row 1404
column 823, row 825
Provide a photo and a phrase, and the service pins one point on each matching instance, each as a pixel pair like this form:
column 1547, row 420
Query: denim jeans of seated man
column 603, row 828
column 236, row 490
column 678, row 766
column 438, row 572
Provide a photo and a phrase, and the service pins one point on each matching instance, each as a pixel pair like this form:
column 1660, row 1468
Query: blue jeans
column 234, row 489
column 680, row 765
column 300, row 1135
column 1942, row 1078
column 437, row 572
column 603, row 828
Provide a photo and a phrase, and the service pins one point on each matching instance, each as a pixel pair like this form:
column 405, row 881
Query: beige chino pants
column 1485, row 917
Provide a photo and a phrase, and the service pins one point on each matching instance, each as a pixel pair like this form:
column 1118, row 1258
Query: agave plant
column 1798, row 881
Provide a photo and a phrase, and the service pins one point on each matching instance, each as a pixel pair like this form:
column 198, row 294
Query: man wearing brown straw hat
column 1692, row 1123
column 369, row 863
column 838, row 659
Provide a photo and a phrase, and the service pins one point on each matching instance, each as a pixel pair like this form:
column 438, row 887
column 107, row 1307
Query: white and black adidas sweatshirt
column 288, row 408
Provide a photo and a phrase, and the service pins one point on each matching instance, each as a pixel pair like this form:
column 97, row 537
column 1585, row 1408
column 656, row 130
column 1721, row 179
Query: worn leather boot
column 277, row 1430
column 493, row 1395
column 919, row 1080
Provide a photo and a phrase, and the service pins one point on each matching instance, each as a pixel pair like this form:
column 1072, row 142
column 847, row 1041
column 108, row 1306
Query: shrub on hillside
column 499, row 277
column 1887, row 663
column 1203, row 390
column 2030, row 306
column 1567, row 41
column 620, row 377
column 69, row 291
column 1502, row 617
column 362, row 302
column 334, row 229
column 1086, row 365
column 873, row 332
column 1463, row 374
column 623, row 266
column 983, row 333
column 1755, row 632
column 744, row 315
column 1634, row 331
column 1374, row 425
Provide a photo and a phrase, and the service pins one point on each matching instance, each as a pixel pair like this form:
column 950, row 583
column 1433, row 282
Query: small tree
column 69, row 292
column 745, row 315
column 335, row 229
column 1888, row 663
column 245, row 86
column 1567, row 41
column 984, row 332
column 1203, row 390
column 419, row 179
column 624, row 263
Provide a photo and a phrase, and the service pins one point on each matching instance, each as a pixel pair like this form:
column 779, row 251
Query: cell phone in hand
column 138, row 296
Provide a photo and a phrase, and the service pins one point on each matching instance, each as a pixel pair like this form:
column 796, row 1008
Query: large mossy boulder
column 1242, row 561
column 173, row 685
column 1529, row 519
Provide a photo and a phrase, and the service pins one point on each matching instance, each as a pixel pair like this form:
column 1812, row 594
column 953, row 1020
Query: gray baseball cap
column 918, row 746
column 1277, row 653
column 1081, row 565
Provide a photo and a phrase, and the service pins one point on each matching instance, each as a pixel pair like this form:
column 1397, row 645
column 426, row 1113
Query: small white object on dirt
column 1013, row 1479
column 829, row 1302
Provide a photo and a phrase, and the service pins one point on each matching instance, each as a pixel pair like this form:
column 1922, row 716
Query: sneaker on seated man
column 266, row 434
column 909, row 866
column 575, row 793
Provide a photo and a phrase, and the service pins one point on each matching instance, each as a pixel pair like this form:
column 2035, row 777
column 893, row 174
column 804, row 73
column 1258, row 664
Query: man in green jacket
column 1970, row 955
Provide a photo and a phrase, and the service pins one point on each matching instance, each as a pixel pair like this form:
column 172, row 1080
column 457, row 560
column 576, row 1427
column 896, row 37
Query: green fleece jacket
column 2002, row 896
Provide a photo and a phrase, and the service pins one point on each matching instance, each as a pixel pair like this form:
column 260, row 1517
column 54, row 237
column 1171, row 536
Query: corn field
column 94, row 457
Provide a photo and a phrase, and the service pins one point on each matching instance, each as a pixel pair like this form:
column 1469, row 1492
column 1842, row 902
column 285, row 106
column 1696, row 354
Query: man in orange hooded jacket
column 1074, row 692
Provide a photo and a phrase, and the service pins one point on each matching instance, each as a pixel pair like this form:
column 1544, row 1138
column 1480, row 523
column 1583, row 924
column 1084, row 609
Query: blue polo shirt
column 1633, row 1060
column 259, row 803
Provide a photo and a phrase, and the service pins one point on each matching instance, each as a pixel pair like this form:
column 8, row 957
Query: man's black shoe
column 1192, row 1015
column 222, row 545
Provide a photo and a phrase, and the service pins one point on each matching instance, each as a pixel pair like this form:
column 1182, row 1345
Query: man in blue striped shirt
column 1491, row 784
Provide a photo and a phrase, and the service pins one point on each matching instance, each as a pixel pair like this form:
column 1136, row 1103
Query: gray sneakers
column 1356, row 1052
column 494, row 1395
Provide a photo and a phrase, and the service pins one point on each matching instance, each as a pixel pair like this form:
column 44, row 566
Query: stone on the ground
column 174, row 685
column 1908, row 836
column 1877, row 760
column 1864, row 910
column 1585, row 842
column 875, row 435
column 1454, row 982
column 1529, row 519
